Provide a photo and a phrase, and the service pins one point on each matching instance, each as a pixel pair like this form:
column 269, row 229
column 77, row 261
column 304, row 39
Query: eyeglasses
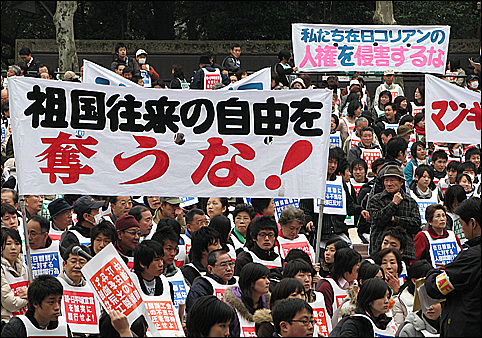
column 263, row 235
column 133, row 233
column 226, row 264
column 33, row 233
column 203, row 222
column 305, row 322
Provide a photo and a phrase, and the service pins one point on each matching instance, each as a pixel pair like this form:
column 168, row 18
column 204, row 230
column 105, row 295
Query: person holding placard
column 436, row 244
column 366, row 148
column 14, row 276
column 43, row 317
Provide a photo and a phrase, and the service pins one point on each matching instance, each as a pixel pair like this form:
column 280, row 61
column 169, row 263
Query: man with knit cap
column 129, row 233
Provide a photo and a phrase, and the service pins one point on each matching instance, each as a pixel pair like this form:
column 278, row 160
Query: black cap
column 57, row 206
column 204, row 59
column 86, row 203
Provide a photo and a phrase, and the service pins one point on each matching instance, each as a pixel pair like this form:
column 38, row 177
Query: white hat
column 354, row 82
column 140, row 51
column 298, row 80
column 389, row 72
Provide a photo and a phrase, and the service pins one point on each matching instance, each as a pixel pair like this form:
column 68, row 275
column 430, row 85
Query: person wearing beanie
column 129, row 233
column 207, row 76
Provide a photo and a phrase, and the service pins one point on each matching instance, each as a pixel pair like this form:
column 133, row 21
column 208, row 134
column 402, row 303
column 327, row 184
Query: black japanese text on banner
column 107, row 140
column 370, row 48
column 452, row 113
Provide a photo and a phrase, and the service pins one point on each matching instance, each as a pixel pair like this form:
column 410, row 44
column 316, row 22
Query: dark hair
column 470, row 208
column 239, row 73
column 383, row 252
column 454, row 64
column 128, row 69
column 368, row 270
column 9, row 232
column 343, row 165
column 306, row 78
column 353, row 105
column 453, row 165
column 42, row 287
column 284, row 289
column 415, row 145
column 7, row 208
column 339, row 243
column 399, row 233
column 250, row 273
column 378, row 163
column 139, row 326
column 68, row 251
column 439, row 154
column 119, row 45
column 170, row 223
column 389, row 131
column 42, row 221
column 405, row 118
column 260, row 223
column 259, row 204
column 367, row 128
column 394, row 146
column 165, row 233
column 418, row 117
column 120, row 63
column 213, row 256
column 234, row 45
column 243, row 208
column 421, row 90
column 137, row 211
column 221, row 224
column 178, row 71
column 295, row 266
column 190, row 214
column 144, row 254
column 14, row 194
column 201, row 240
column 224, row 203
column 24, row 51
column 417, row 269
column 286, row 309
column 471, row 151
column 284, row 53
column 420, row 171
column 431, row 209
column 105, row 228
column 337, row 120
column 385, row 92
column 469, row 166
column 391, row 104
column 206, row 312
column 295, row 254
column 369, row 291
column 359, row 161
column 460, row 176
column 454, row 193
column 345, row 260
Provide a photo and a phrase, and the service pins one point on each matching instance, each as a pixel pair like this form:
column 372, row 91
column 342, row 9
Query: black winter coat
column 462, row 310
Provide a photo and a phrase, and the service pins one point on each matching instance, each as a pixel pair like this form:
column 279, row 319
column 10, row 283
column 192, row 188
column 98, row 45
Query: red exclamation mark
column 297, row 154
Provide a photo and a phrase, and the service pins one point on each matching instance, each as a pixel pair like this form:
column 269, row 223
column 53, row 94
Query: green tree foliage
column 222, row 20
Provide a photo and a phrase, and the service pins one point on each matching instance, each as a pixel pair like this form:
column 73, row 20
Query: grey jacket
column 413, row 326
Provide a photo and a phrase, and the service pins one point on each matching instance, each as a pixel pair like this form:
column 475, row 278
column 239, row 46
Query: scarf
column 419, row 130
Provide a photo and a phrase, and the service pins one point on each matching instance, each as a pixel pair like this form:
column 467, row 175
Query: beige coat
column 10, row 302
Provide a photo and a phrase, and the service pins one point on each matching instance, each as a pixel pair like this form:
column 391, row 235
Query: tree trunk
column 64, row 29
column 384, row 13
column 384, row 16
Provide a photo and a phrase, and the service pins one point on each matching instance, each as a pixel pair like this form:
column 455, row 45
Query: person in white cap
column 393, row 88
column 148, row 72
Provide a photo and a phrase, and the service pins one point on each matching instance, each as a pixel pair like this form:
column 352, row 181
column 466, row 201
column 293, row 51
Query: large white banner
column 259, row 80
column 93, row 73
column 370, row 48
column 452, row 113
column 77, row 138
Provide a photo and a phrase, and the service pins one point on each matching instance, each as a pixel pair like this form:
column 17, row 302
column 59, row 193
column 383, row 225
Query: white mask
column 142, row 61
column 97, row 219
column 458, row 152
column 474, row 85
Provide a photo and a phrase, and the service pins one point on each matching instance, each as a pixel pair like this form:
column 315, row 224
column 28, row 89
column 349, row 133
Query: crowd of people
column 232, row 266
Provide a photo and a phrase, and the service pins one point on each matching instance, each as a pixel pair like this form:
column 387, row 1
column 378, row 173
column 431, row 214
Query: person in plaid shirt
column 393, row 207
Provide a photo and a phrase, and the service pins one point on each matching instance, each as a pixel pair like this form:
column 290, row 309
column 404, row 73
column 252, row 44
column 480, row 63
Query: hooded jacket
column 414, row 323
column 233, row 297
column 263, row 323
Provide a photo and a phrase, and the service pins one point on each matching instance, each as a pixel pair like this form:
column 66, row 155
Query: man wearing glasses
column 293, row 317
column 129, row 233
column 219, row 276
column 119, row 206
